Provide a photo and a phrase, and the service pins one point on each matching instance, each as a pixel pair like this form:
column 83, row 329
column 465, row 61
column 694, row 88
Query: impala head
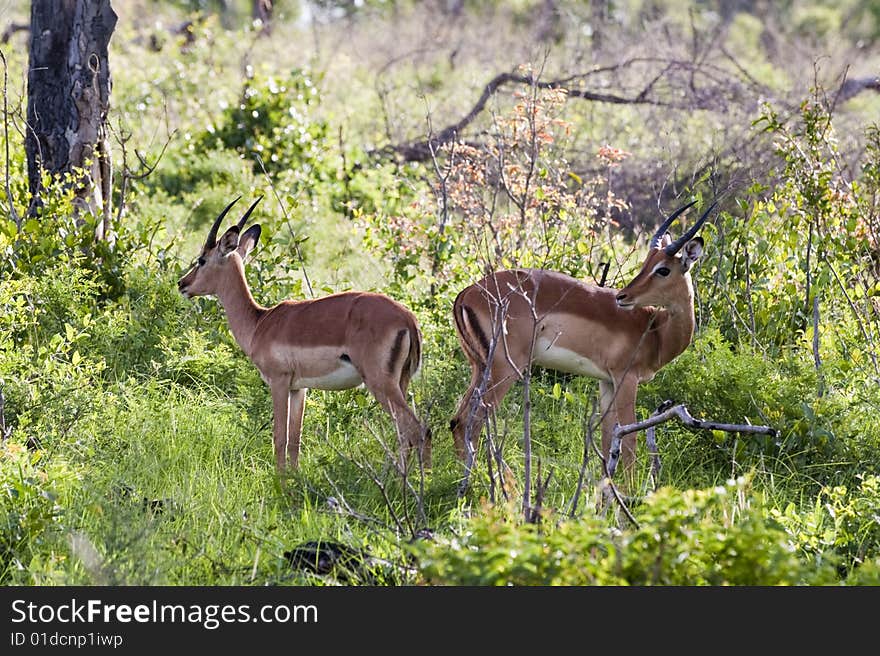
column 218, row 257
column 665, row 276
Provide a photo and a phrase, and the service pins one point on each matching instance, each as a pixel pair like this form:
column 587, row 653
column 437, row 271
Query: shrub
column 715, row 536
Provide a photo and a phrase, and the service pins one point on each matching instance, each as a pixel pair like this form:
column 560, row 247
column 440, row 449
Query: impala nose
column 624, row 301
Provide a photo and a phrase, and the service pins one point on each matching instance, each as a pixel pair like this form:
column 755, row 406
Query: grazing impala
column 331, row 343
column 511, row 319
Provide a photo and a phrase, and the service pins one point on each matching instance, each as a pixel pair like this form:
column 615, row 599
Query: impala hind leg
column 410, row 432
column 469, row 415
column 385, row 369
column 476, row 404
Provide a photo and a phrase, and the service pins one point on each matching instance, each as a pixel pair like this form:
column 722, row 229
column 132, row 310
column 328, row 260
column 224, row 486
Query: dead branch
column 128, row 174
column 420, row 151
column 722, row 86
column 476, row 401
column 12, row 211
column 651, row 442
column 11, row 29
column 401, row 471
column 664, row 413
column 588, row 427
column 4, row 431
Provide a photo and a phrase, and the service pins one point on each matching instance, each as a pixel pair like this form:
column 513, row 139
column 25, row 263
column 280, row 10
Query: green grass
column 140, row 449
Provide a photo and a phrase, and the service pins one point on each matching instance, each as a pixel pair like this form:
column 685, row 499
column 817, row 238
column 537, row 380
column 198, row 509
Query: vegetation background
column 136, row 443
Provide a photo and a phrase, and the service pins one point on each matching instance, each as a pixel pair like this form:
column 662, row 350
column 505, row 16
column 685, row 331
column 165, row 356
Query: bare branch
column 12, row 212
column 716, row 95
column 11, row 29
column 4, row 431
column 664, row 413
column 589, row 427
column 296, row 241
column 820, row 390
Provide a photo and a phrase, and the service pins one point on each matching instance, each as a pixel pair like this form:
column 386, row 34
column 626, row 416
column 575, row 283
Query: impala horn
column 675, row 246
column 655, row 240
column 211, row 241
column 244, row 218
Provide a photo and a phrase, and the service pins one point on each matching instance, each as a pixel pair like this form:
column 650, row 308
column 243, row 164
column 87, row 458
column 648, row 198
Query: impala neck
column 242, row 311
column 674, row 325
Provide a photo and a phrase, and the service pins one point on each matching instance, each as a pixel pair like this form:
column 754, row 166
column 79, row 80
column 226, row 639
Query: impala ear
column 228, row 242
column 248, row 240
column 691, row 252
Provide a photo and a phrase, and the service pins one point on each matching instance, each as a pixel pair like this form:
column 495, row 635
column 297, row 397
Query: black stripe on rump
column 395, row 349
column 477, row 329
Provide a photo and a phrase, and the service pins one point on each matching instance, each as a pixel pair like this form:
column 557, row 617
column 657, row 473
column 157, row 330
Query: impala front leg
column 296, row 406
column 625, row 400
column 280, row 413
column 617, row 403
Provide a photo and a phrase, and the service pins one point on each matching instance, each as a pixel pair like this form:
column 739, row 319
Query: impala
column 332, row 343
column 513, row 319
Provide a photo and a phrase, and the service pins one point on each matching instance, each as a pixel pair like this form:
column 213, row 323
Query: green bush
column 31, row 515
column 843, row 524
column 692, row 537
column 275, row 120
column 731, row 383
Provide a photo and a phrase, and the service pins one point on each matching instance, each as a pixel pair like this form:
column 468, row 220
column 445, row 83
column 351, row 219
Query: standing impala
column 512, row 319
column 333, row 343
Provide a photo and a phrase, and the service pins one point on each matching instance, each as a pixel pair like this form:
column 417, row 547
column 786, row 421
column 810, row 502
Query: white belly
column 550, row 356
column 345, row 376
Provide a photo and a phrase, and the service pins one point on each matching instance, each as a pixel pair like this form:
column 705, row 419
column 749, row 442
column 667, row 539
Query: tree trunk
column 68, row 98
column 262, row 11
column 599, row 12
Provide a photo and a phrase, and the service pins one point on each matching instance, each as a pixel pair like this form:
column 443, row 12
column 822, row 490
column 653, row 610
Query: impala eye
column 202, row 262
column 662, row 271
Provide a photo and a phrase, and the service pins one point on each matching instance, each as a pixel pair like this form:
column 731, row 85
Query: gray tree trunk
column 68, row 98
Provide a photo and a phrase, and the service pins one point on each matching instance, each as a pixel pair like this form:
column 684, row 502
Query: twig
column 665, row 413
column 589, row 426
column 343, row 505
column 476, row 400
column 605, row 266
column 753, row 331
column 146, row 168
column 4, row 432
column 534, row 514
column 296, row 247
column 820, row 391
column 11, row 29
column 12, row 212
column 651, row 443
column 855, row 311
column 395, row 460
column 443, row 194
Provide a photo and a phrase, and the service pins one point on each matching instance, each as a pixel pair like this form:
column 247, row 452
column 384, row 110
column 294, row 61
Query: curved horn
column 244, row 218
column 211, row 241
column 655, row 240
column 675, row 246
